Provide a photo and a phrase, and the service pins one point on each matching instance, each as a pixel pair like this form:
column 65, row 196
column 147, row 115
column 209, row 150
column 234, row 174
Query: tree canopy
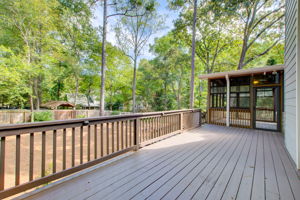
column 51, row 48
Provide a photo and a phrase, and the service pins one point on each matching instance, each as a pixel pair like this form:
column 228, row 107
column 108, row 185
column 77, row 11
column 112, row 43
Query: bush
column 115, row 112
column 43, row 116
column 80, row 116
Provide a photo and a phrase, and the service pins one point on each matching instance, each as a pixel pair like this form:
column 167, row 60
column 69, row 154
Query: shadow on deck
column 211, row 162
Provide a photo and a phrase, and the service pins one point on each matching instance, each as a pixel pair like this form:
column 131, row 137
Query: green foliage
column 80, row 116
column 41, row 116
column 49, row 48
column 115, row 112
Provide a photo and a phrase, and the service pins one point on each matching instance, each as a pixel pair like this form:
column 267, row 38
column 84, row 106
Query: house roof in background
column 83, row 100
column 244, row 72
column 55, row 104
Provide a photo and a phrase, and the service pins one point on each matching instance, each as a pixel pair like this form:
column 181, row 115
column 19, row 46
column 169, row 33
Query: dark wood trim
column 251, row 102
column 208, row 102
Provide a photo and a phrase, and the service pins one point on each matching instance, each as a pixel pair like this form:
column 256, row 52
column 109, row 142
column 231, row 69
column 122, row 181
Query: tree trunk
column 36, row 94
column 243, row 53
column 193, row 56
column 76, row 92
column 134, row 83
column 31, row 109
column 103, row 63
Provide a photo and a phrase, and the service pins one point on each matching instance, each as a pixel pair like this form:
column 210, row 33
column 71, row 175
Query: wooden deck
column 211, row 162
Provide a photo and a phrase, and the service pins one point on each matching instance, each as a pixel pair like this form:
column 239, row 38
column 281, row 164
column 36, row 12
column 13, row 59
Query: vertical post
column 181, row 121
column 2, row 163
column 208, row 102
column 200, row 118
column 251, row 103
column 228, row 101
column 137, row 134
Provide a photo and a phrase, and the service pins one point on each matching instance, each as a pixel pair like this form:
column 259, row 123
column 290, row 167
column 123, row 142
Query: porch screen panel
column 240, row 115
column 217, row 110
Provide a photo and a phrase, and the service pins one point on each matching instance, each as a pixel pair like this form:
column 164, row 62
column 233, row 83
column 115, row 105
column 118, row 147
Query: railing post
column 137, row 134
column 2, row 162
column 181, row 121
column 200, row 117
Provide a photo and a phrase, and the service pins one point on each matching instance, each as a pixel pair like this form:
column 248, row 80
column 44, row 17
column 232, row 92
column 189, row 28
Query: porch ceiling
column 243, row 72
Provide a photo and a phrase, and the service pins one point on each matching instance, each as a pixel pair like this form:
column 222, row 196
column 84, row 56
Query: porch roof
column 243, row 72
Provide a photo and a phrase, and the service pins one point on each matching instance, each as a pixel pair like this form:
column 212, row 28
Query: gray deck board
column 211, row 162
column 258, row 186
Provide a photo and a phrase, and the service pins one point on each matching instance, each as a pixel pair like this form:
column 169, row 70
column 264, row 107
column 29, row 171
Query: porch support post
column 227, row 101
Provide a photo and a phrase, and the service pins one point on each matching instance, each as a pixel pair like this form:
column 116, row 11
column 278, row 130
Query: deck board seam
column 164, row 161
column 248, row 152
column 229, row 159
column 217, row 161
column 223, row 141
column 173, row 169
column 215, row 146
column 291, row 188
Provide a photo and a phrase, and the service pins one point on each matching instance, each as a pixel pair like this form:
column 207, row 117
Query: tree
column 181, row 3
column 193, row 55
column 31, row 24
column 261, row 20
column 133, row 34
column 215, row 34
column 121, row 8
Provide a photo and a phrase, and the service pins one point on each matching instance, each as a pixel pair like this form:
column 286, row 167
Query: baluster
column 17, row 168
column 118, row 137
column 54, row 151
column 43, row 153
column 101, row 137
column 31, row 156
column 73, row 147
column 112, row 136
column 81, row 144
column 95, row 141
column 107, row 138
column 130, row 132
column 64, row 148
column 89, row 143
column 126, row 132
column 2, row 163
column 122, row 134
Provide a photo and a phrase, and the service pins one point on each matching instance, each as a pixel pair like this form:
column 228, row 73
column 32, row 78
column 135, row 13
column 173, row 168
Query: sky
column 170, row 16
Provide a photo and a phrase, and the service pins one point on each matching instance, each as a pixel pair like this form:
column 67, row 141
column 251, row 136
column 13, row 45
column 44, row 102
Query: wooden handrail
column 89, row 140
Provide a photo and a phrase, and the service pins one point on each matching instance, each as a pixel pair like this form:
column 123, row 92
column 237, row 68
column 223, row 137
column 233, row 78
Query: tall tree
column 194, row 6
column 76, row 32
column 31, row 23
column 119, row 8
column 133, row 34
column 193, row 56
column 215, row 34
column 261, row 19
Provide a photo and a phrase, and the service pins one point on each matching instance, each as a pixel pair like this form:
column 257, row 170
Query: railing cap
column 89, row 120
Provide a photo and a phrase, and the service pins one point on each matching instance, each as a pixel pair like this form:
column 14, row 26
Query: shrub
column 43, row 116
column 115, row 112
column 80, row 116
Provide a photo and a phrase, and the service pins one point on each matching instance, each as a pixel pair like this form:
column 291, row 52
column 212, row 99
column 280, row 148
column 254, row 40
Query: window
column 240, row 92
column 218, row 93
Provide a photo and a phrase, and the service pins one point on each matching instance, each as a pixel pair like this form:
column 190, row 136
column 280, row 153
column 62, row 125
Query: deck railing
column 237, row 117
column 33, row 154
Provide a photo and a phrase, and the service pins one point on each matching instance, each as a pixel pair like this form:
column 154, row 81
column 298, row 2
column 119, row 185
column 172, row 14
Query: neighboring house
column 87, row 102
column 54, row 105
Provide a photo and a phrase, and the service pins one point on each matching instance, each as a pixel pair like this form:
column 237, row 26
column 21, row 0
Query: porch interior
column 210, row 162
